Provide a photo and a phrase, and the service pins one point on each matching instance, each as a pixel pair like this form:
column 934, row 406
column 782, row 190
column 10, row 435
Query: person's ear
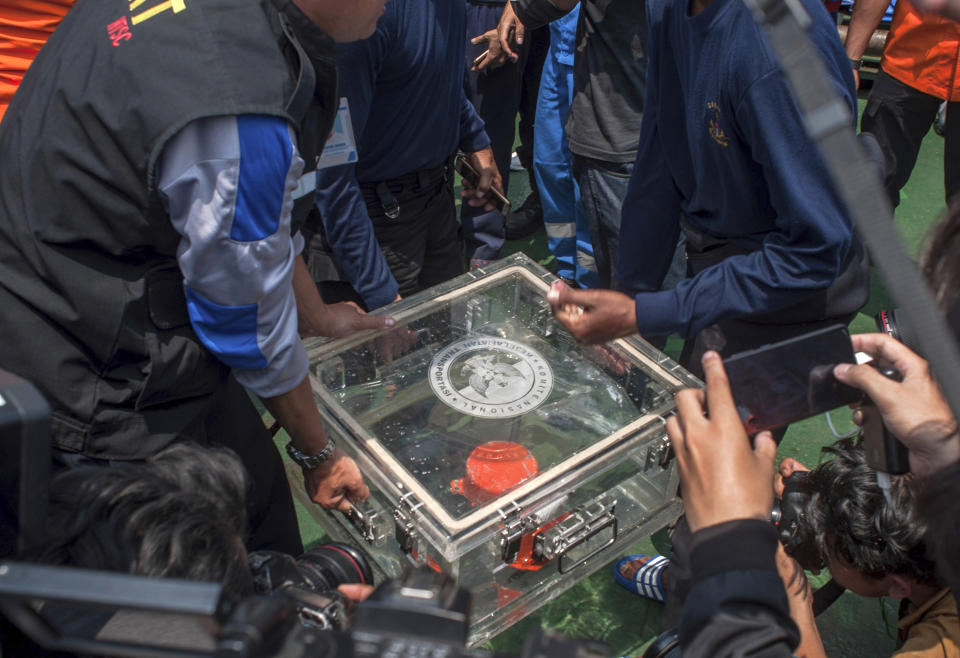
column 899, row 587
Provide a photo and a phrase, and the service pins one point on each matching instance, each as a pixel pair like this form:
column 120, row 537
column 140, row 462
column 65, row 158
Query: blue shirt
column 409, row 112
column 563, row 37
column 724, row 146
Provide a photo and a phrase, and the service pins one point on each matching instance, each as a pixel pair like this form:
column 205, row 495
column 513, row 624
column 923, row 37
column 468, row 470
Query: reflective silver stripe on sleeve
column 306, row 185
column 586, row 261
column 561, row 230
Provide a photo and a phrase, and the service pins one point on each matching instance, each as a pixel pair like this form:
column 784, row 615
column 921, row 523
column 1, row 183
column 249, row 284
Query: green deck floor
column 599, row 608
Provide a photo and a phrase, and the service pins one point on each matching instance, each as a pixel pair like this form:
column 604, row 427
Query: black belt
column 406, row 186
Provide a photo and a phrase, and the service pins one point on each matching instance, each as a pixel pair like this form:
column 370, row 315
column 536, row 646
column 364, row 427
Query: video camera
column 296, row 611
column 111, row 614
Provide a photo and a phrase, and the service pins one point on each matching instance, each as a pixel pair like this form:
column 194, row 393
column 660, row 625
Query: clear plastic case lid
column 478, row 397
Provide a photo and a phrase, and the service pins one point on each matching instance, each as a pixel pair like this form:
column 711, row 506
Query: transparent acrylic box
column 497, row 449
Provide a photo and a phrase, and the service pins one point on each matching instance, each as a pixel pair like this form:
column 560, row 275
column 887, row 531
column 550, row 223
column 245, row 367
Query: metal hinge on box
column 658, row 454
column 514, row 527
column 543, row 321
column 477, row 313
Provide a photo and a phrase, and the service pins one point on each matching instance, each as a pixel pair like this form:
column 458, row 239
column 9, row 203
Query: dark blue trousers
column 496, row 96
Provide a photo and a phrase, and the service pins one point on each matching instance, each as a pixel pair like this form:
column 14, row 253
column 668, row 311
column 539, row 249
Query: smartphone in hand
column 784, row 382
column 471, row 176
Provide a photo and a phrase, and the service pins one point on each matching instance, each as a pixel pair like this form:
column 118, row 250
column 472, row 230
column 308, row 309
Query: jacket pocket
column 179, row 366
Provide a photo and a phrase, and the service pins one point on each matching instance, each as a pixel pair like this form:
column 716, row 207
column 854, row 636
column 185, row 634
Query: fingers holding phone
column 482, row 184
column 723, row 475
column 913, row 408
column 491, row 58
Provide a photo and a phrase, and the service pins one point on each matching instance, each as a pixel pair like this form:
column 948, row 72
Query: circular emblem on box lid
column 490, row 377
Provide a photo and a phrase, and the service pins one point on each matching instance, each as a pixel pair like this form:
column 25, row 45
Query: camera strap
column 828, row 121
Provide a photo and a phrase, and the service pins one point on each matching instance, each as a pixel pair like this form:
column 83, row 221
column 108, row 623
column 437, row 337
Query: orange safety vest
column 923, row 51
column 25, row 25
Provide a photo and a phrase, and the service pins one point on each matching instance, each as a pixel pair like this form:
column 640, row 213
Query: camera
column 295, row 609
column 889, row 323
column 422, row 614
column 311, row 580
column 790, row 515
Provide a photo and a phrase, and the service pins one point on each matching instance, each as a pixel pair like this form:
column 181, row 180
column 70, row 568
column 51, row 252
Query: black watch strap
column 855, row 64
column 310, row 462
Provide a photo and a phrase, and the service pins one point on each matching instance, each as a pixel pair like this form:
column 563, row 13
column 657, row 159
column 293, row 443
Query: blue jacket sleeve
column 228, row 184
column 806, row 251
column 339, row 200
column 472, row 135
column 737, row 605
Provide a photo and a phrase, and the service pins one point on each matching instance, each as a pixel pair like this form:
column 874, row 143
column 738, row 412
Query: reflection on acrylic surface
column 490, row 367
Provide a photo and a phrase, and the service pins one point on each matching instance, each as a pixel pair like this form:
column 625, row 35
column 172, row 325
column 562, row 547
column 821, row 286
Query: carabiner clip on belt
column 391, row 208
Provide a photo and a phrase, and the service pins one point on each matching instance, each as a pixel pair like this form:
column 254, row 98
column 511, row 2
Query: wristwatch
column 855, row 64
column 310, row 462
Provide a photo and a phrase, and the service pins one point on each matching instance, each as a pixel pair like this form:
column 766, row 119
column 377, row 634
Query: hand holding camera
column 913, row 409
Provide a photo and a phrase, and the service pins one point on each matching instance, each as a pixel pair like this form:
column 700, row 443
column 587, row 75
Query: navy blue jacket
column 737, row 605
column 723, row 147
column 404, row 86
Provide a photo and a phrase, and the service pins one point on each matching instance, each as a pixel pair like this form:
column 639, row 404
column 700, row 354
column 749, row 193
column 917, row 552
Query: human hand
column 345, row 318
column 494, row 57
column 511, row 32
column 856, row 79
column 593, row 316
column 787, row 467
column 800, row 599
column 394, row 343
column 489, row 177
column 723, row 477
column 609, row 359
column 335, row 482
column 914, row 409
column 356, row 592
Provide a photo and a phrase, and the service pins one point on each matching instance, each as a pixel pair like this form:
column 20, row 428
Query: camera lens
column 887, row 323
column 892, row 324
column 327, row 566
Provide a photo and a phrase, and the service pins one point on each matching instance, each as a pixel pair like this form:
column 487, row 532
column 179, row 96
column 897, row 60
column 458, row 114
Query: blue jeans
column 603, row 186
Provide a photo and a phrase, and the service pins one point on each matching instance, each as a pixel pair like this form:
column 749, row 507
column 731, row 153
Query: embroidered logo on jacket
column 713, row 124
column 119, row 30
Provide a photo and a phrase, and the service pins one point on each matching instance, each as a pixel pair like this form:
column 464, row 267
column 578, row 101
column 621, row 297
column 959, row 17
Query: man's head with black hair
column 180, row 514
column 873, row 547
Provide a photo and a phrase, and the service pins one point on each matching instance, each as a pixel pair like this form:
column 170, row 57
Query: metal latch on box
column 404, row 528
column 556, row 538
column 367, row 522
column 658, row 454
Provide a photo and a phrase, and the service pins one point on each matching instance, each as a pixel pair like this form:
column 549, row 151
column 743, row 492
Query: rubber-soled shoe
column 648, row 580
